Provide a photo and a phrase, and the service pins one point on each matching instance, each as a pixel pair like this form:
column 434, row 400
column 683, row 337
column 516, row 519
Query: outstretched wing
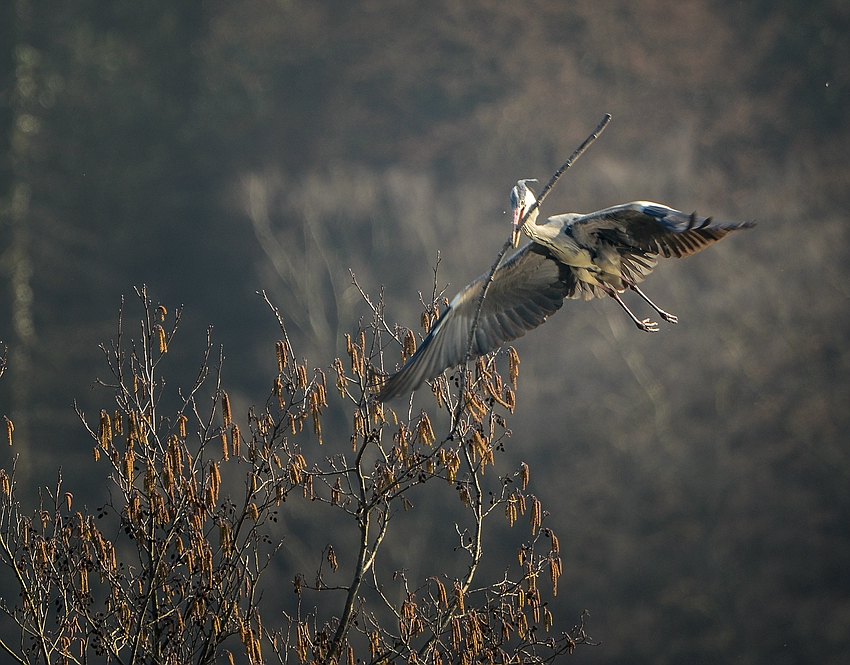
column 643, row 228
column 526, row 290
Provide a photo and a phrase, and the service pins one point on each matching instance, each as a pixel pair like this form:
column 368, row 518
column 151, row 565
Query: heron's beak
column 519, row 213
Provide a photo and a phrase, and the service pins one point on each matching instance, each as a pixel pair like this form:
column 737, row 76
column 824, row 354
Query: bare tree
column 172, row 573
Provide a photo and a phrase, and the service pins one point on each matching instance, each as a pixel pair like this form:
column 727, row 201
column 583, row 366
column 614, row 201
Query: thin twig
column 375, row 308
column 578, row 153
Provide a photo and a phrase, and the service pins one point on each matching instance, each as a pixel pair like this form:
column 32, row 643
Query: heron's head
column 522, row 198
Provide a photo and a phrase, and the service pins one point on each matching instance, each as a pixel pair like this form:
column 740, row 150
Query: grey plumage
column 571, row 255
column 614, row 249
column 528, row 288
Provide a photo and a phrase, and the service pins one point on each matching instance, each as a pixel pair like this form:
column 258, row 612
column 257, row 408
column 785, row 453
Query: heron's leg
column 646, row 325
column 667, row 316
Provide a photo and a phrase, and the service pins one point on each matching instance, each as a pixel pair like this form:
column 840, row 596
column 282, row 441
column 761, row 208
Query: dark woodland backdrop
column 699, row 478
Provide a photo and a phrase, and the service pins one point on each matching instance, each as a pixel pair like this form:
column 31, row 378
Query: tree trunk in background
column 25, row 125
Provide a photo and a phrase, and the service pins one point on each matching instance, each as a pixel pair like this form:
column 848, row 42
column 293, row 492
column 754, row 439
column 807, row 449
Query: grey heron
column 611, row 250
column 571, row 255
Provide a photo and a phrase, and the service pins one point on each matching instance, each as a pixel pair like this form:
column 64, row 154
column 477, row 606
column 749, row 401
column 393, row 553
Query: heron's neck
column 535, row 232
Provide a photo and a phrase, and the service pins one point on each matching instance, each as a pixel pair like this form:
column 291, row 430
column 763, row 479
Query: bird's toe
column 648, row 326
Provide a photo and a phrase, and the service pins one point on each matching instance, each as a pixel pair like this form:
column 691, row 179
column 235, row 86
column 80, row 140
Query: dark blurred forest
column 699, row 478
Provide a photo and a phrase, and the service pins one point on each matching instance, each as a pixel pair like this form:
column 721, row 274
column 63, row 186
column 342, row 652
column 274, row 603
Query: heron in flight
column 572, row 255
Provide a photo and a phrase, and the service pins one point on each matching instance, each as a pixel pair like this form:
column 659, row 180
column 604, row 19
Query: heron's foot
column 667, row 316
column 647, row 326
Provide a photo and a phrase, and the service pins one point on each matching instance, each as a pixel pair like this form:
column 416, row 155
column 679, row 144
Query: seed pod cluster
column 515, row 505
column 408, row 347
column 105, row 430
column 536, row 515
column 316, row 399
column 161, row 337
column 357, row 353
column 226, row 414
column 513, row 366
column 283, row 353
column 424, row 431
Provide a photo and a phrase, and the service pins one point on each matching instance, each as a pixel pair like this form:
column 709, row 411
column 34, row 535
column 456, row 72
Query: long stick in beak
column 518, row 221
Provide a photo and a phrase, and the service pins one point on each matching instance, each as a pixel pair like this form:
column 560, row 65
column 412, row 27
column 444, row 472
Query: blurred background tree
column 698, row 478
